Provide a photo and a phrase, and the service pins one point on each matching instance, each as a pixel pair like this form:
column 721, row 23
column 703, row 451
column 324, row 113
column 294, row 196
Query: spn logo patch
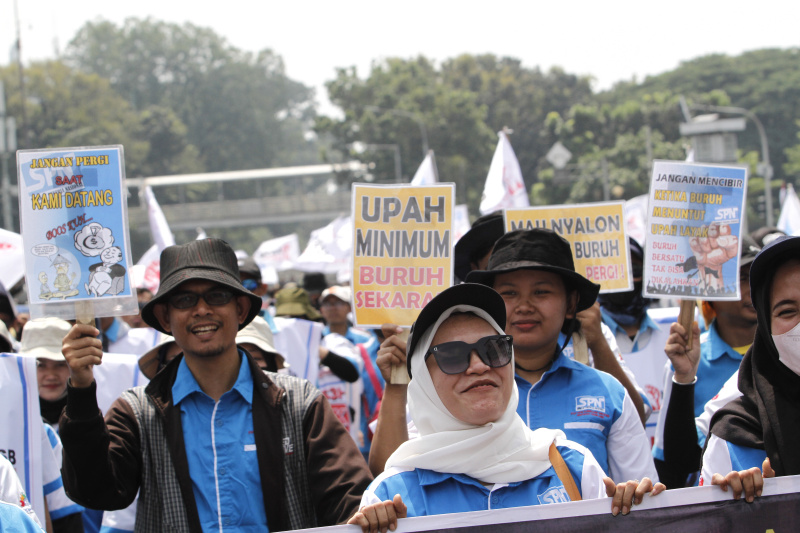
column 554, row 495
column 590, row 403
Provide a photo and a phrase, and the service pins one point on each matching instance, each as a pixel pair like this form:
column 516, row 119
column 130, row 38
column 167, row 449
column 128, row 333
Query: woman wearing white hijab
column 474, row 452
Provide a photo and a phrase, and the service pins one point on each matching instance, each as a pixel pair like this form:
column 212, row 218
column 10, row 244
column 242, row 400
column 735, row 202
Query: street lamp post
column 765, row 168
column 413, row 116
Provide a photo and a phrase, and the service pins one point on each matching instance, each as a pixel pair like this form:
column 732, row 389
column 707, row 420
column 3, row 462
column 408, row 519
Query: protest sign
column 402, row 250
column 596, row 233
column 74, row 220
column 695, row 214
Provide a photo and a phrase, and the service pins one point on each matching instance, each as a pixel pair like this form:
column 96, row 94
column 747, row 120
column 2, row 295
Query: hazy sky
column 612, row 41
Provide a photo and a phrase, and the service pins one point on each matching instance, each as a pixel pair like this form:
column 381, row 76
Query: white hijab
column 503, row 451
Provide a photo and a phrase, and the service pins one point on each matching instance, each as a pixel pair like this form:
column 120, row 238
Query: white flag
column 504, row 184
column 426, row 173
column 12, row 258
column 789, row 221
column 162, row 235
column 636, row 218
column 460, row 222
column 279, row 253
column 329, row 249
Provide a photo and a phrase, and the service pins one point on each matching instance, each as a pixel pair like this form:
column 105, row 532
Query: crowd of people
column 526, row 387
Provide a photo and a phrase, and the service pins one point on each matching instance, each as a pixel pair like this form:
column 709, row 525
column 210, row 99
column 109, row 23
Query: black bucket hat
column 474, row 294
column 206, row 259
column 477, row 242
column 537, row 249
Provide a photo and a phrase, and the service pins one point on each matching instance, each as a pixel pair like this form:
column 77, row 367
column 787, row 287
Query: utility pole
column 8, row 144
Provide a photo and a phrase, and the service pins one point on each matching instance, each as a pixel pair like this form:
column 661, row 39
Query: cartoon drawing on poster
column 57, row 272
column 106, row 277
column 695, row 219
column 711, row 252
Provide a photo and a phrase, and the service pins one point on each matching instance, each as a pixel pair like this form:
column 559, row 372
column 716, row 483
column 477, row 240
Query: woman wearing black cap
column 473, row 448
column 534, row 272
column 761, row 429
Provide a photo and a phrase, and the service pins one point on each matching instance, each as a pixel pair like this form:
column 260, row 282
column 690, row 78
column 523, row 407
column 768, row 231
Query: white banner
column 279, row 253
column 504, row 184
column 21, row 423
column 147, row 272
column 297, row 340
column 329, row 249
column 709, row 514
column 12, row 258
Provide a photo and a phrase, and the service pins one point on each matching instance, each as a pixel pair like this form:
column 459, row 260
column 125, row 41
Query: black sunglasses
column 454, row 357
column 185, row 300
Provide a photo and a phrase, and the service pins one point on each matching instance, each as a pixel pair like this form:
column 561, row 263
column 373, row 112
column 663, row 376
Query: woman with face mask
column 758, row 434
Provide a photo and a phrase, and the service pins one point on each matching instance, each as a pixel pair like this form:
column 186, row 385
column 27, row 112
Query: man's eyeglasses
column 454, row 357
column 185, row 300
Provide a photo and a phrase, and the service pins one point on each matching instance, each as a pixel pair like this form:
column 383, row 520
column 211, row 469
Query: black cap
column 473, row 294
column 249, row 267
column 314, row 282
column 477, row 242
column 205, row 259
column 537, row 249
column 769, row 258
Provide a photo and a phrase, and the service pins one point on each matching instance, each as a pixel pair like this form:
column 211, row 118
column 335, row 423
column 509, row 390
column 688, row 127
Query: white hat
column 42, row 338
column 339, row 291
column 258, row 333
column 150, row 357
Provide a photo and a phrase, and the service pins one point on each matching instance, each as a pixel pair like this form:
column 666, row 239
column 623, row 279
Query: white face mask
column 788, row 345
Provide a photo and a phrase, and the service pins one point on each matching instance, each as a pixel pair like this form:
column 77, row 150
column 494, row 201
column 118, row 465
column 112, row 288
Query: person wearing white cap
column 256, row 338
column 43, row 341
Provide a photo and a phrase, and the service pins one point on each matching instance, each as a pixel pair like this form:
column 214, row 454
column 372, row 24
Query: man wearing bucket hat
column 535, row 274
column 212, row 441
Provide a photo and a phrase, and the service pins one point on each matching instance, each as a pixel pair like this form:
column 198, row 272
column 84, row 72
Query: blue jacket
column 426, row 492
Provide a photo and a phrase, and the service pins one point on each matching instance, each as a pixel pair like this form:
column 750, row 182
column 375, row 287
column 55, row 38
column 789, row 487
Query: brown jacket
column 103, row 465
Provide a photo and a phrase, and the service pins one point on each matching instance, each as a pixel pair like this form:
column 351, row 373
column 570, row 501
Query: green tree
column 240, row 109
column 65, row 107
